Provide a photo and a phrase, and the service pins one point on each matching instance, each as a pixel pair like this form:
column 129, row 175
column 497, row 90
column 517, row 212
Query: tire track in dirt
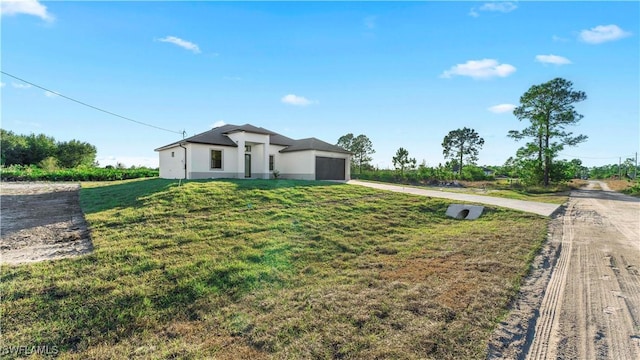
column 550, row 309
column 591, row 307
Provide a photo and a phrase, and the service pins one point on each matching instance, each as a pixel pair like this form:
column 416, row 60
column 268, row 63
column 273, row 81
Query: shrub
column 49, row 164
column 33, row 173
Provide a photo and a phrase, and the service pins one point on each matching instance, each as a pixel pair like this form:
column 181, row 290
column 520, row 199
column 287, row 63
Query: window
column 216, row 159
column 173, row 154
column 247, row 148
column 271, row 162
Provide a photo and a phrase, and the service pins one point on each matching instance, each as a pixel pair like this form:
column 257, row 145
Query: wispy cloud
column 292, row 99
column 501, row 108
column 27, row 7
column 218, row 124
column 2, row 84
column 557, row 38
column 603, row 33
column 182, row 43
column 50, row 94
column 33, row 124
column 553, row 59
column 234, row 78
column 502, row 6
column 20, row 86
column 370, row 22
column 480, row 69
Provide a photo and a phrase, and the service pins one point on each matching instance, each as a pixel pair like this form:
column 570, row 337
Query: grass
column 502, row 189
column 628, row 187
column 272, row 269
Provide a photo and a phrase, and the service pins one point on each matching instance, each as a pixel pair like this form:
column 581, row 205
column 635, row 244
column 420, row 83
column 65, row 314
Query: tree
column 549, row 108
column 74, row 153
column 402, row 161
column 360, row 146
column 44, row 151
column 25, row 150
column 13, row 148
column 346, row 141
column 40, row 147
column 462, row 144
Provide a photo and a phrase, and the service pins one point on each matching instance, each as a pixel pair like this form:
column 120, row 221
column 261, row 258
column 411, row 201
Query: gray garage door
column 329, row 168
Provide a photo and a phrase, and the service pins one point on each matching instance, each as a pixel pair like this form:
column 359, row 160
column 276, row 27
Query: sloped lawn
column 271, row 269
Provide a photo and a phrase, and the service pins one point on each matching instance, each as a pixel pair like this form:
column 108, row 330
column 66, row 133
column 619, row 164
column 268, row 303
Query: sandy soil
column 41, row 221
column 590, row 306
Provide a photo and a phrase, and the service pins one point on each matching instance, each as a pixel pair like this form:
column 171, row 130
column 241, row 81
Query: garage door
column 329, row 168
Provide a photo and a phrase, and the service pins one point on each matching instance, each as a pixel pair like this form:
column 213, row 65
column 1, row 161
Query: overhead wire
column 91, row 106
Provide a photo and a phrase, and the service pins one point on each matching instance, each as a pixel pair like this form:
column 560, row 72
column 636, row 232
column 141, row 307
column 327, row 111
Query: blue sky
column 404, row 74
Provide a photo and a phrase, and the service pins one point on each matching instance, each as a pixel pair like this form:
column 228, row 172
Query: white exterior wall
column 171, row 167
column 259, row 157
column 199, row 162
column 298, row 165
column 277, row 158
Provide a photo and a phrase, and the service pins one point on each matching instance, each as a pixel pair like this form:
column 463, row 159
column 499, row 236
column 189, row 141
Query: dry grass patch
column 272, row 269
column 618, row 185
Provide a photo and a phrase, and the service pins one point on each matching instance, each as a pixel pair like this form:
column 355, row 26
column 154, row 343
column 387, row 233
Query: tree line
column 44, row 151
column 549, row 110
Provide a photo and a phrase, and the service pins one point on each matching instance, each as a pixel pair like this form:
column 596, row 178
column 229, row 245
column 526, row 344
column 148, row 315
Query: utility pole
column 635, row 169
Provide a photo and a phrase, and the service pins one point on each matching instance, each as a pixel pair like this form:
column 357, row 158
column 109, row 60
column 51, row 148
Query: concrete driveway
column 539, row 208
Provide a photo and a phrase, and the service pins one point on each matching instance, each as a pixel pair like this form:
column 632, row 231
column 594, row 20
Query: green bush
column 33, row 173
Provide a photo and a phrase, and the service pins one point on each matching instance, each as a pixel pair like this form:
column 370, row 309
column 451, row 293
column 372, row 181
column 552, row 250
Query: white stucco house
column 247, row 151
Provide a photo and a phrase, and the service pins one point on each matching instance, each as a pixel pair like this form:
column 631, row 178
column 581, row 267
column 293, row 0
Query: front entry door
column 247, row 165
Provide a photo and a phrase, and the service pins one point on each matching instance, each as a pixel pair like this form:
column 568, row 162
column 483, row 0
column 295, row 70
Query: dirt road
column 591, row 308
column 41, row 221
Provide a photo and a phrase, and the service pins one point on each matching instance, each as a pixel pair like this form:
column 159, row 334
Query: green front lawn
column 272, row 269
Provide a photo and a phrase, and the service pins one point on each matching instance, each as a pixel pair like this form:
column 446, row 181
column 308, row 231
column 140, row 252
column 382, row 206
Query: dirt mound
column 41, row 221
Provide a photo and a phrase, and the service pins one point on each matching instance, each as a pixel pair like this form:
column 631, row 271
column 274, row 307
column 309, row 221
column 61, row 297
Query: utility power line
column 91, row 106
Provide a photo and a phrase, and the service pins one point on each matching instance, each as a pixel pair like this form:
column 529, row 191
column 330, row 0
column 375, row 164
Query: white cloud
column 370, row 22
column 502, row 6
column 557, row 38
column 28, row 7
column 20, row 86
column 182, row 43
column 218, row 124
column 502, row 108
column 603, row 33
column 505, row 7
column 50, row 94
column 28, row 123
column 553, row 59
column 480, row 69
column 2, row 84
column 292, row 99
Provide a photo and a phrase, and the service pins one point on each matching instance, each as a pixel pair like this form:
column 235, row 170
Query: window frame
column 211, row 159
column 272, row 162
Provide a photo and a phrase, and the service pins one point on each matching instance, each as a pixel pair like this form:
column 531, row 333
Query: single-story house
column 247, row 151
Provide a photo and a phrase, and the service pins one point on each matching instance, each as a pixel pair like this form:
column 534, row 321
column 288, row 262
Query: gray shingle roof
column 313, row 144
column 218, row 136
